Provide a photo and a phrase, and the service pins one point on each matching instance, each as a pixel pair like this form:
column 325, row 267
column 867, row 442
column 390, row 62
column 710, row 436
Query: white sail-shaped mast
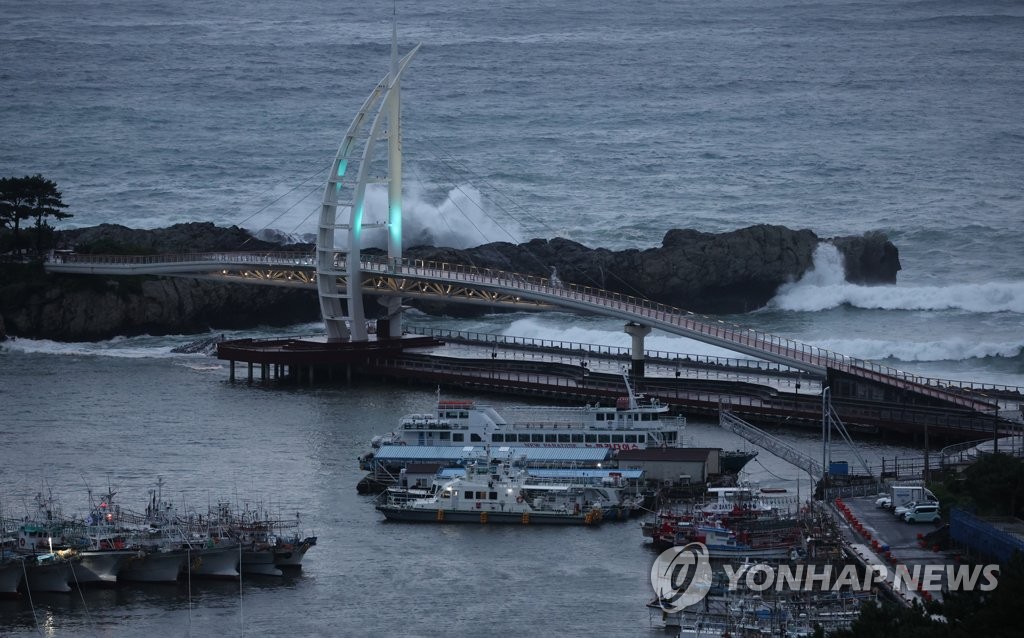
column 378, row 118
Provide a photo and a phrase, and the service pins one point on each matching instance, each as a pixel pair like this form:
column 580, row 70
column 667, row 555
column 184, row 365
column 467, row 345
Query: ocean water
column 608, row 124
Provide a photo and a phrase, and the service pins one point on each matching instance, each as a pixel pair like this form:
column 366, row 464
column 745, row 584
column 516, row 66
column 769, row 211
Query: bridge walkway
column 458, row 283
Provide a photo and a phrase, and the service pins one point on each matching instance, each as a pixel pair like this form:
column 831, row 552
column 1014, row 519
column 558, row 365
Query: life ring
column 21, row 541
column 519, row 499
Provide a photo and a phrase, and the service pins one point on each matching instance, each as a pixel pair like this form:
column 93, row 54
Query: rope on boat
column 92, row 625
column 31, row 604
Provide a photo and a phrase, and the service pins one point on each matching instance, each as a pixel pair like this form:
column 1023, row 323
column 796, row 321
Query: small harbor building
column 673, row 465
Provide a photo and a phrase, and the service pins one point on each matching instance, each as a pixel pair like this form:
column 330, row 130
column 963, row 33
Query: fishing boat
column 498, row 493
column 268, row 544
column 12, row 571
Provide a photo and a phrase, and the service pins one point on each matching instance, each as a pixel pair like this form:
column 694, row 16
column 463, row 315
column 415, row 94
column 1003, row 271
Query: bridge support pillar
column 638, row 332
column 232, row 368
column 250, row 373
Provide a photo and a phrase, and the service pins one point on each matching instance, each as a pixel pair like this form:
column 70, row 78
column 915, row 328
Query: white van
column 922, row 513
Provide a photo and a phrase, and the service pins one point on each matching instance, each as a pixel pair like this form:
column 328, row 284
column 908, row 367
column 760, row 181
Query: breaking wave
column 945, row 350
column 824, row 287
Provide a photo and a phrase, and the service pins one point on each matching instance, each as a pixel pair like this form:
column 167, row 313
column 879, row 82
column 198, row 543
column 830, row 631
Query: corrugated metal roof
column 418, row 453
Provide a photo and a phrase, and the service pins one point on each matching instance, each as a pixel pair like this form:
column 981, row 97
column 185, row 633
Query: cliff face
column 730, row 272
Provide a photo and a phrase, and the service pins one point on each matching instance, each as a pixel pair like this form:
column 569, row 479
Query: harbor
column 617, row 348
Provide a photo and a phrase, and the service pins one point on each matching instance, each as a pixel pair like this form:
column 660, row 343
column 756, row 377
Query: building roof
column 672, row 454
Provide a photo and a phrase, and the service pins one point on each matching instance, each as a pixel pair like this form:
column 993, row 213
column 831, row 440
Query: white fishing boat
column 213, row 561
column 99, row 567
column 634, row 422
column 156, row 564
column 49, row 572
column 498, row 493
column 12, row 571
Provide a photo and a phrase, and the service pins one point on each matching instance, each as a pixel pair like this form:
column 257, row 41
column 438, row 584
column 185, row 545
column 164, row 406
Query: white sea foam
column 463, row 219
column 956, row 349
column 120, row 347
column 824, row 287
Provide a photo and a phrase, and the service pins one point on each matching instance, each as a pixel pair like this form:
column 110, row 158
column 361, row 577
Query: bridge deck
column 467, row 284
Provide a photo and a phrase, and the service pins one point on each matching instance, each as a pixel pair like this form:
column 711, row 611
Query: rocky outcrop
column 729, row 272
column 83, row 309
column 710, row 273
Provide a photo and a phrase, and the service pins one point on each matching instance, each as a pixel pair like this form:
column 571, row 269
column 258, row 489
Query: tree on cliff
column 30, row 197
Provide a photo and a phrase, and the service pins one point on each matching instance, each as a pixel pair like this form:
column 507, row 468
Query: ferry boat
column 498, row 493
column 634, row 422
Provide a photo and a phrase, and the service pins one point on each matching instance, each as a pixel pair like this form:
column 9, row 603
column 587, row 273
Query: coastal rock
column 731, row 272
column 75, row 309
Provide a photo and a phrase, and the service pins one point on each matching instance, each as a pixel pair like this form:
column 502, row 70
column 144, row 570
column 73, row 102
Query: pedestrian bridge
column 414, row 278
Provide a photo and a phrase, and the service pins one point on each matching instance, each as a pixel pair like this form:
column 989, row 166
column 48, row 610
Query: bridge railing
column 591, row 349
column 971, row 395
column 244, row 258
column 707, row 326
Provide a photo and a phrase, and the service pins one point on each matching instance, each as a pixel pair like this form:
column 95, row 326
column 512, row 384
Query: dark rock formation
column 730, row 272
column 702, row 272
column 84, row 308
column 195, row 237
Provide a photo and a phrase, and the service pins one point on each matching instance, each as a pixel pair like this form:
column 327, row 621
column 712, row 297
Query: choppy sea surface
column 607, row 123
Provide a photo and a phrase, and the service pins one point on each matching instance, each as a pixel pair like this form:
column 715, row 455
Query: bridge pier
column 638, row 332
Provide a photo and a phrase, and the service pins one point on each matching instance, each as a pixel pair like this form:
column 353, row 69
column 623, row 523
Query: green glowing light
column 395, row 227
column 357, row 222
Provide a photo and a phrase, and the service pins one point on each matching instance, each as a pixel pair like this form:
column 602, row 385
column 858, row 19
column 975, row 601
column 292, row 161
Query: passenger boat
column 634, row 422
column 498, row 493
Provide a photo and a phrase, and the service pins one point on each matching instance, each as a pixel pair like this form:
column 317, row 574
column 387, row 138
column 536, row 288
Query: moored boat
column 634, row 422
column 12, row 571
column 49, row 572
column 154, row 565
column 213, row 562
column 498, row 493
column 99, row 566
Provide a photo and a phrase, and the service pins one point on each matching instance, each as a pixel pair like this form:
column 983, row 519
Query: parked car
column 923, row 513
column 883, row 501
column 903, row 509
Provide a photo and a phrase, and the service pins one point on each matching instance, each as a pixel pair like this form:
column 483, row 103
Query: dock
column 762, row 392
